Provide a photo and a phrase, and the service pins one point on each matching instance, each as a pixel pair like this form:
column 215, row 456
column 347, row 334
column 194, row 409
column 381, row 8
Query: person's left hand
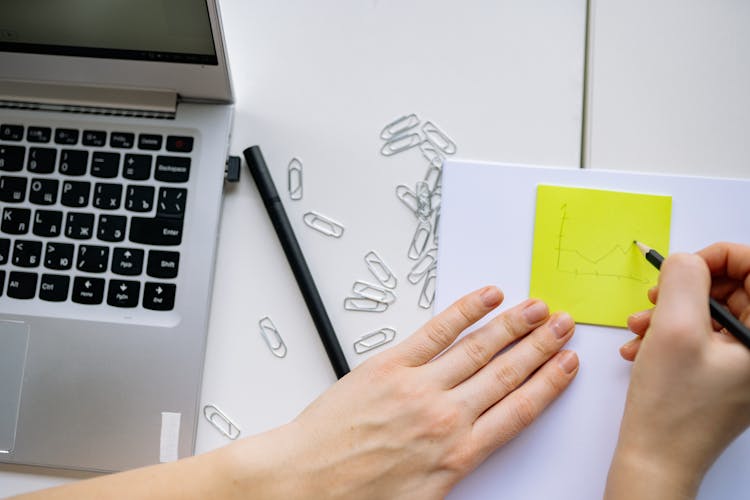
column 411, row 422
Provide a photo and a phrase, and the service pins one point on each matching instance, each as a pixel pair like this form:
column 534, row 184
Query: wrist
column 647, row 474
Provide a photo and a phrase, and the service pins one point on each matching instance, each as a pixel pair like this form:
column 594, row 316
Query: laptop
column 114, row 129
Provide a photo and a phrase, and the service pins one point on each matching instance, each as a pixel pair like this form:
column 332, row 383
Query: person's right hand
column 689, row 393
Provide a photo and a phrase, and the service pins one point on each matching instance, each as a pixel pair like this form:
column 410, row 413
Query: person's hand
column 411, row 422
column 689, row 393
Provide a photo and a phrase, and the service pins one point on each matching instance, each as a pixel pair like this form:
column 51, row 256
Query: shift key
column 156, row 231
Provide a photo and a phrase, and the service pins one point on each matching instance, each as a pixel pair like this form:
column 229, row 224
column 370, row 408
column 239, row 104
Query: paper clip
column 221, row 422
column 294, row 178
column 427, row 296
column 380, row 270
column 323, row 224
column 369, row 291
column 370, row 341
column 433, row 177
column 399, row 126
column 422, row 267
column 435, row 229
column 438, row 138
column 407, row 197
column 419, row 241
column 364, row 304
column 435, row 199
column 424, row 207
column 400, row 143
column 271, row 335
column 431, row 153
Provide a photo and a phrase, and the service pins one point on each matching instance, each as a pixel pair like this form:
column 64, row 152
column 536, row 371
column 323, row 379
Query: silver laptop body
column 114, row 127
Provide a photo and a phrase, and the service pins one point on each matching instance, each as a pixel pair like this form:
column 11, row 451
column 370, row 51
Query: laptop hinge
column 88, row 99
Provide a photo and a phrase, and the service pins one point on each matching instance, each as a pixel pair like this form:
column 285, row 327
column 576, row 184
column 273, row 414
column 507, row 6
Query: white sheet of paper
column 486, row 233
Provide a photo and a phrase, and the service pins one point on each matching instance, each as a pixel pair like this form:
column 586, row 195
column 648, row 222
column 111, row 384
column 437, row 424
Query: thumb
column 682, row 306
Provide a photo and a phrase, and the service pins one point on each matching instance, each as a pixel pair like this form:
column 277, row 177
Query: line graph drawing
column 598, row 264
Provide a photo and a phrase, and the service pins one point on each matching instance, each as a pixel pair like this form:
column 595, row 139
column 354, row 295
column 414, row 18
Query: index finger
column 728, row 259
column 440, row 332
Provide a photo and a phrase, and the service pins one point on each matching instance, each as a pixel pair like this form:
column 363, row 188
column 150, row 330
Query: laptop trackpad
column 14, row 339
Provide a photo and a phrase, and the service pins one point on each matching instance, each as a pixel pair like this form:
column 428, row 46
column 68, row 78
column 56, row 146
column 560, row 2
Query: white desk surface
column 319, row 80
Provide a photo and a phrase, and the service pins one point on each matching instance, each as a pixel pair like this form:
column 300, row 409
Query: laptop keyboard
column 92, row 216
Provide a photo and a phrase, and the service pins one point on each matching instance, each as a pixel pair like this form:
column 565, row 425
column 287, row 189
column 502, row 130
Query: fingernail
column 562, row 324
column 568, row 361
column 491, row 296
column 535, row 312
column 637, row 315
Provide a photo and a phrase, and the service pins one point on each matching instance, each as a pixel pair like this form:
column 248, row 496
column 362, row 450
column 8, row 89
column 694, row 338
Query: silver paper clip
column 407, row 197
column 370, row 341
column 422, row 267
column 399, row 126
column 433, row 177
column 419, row 241
column 435, row 229
column 427, row 296
column 294, row 179
column 424, row 198
column 400, row 143
column 271, row 335
column 221, row 422
column 323, row 224
column 380, row 270
column 364, row 304
column 369, row 291
column 431, row 153
column 438, row 138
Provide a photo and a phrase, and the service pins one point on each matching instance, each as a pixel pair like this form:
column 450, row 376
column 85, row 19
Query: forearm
column 247, row 469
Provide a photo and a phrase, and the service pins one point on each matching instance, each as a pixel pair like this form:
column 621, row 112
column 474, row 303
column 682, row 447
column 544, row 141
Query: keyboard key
column 11, row 132
column 111, row 227
column 156, row 231
column 179, row 144
column 42, row 160
column 79, row 226
column 123, row 293
column 66, row 136
column 159, row 296
column 171, row 202
column 163, row 264
column 15, row 220
column 127, row 261
column 4, row 250
column 149, row 141
column 11, row 158
column 139, row 198
column 89, row 291
column 47, row 223
column 39, row 134
column 22, row 285
column 105, row 164
column 75, row 194
column 137, row 167
column 92, row 259
column 121, row 140
column 58, row 256
column 12, row 189
column 107, row 196
column 97, row 138
column 27, row 253
column 172, row 169
column 54, row 287
column 44, row 191
column 73, row 162
column 2, row 282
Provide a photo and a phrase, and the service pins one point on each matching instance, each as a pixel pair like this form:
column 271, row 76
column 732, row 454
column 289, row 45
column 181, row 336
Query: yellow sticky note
column 584, row 260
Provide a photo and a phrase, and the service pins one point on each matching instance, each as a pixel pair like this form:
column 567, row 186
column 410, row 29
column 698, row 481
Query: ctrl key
column 22, row 285
column 159, row 296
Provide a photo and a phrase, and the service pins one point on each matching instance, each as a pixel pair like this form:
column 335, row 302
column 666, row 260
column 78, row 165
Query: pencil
column 718, row 312
column 296, row 259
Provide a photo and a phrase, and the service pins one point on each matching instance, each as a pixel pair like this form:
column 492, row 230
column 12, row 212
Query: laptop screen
column 177, row 31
